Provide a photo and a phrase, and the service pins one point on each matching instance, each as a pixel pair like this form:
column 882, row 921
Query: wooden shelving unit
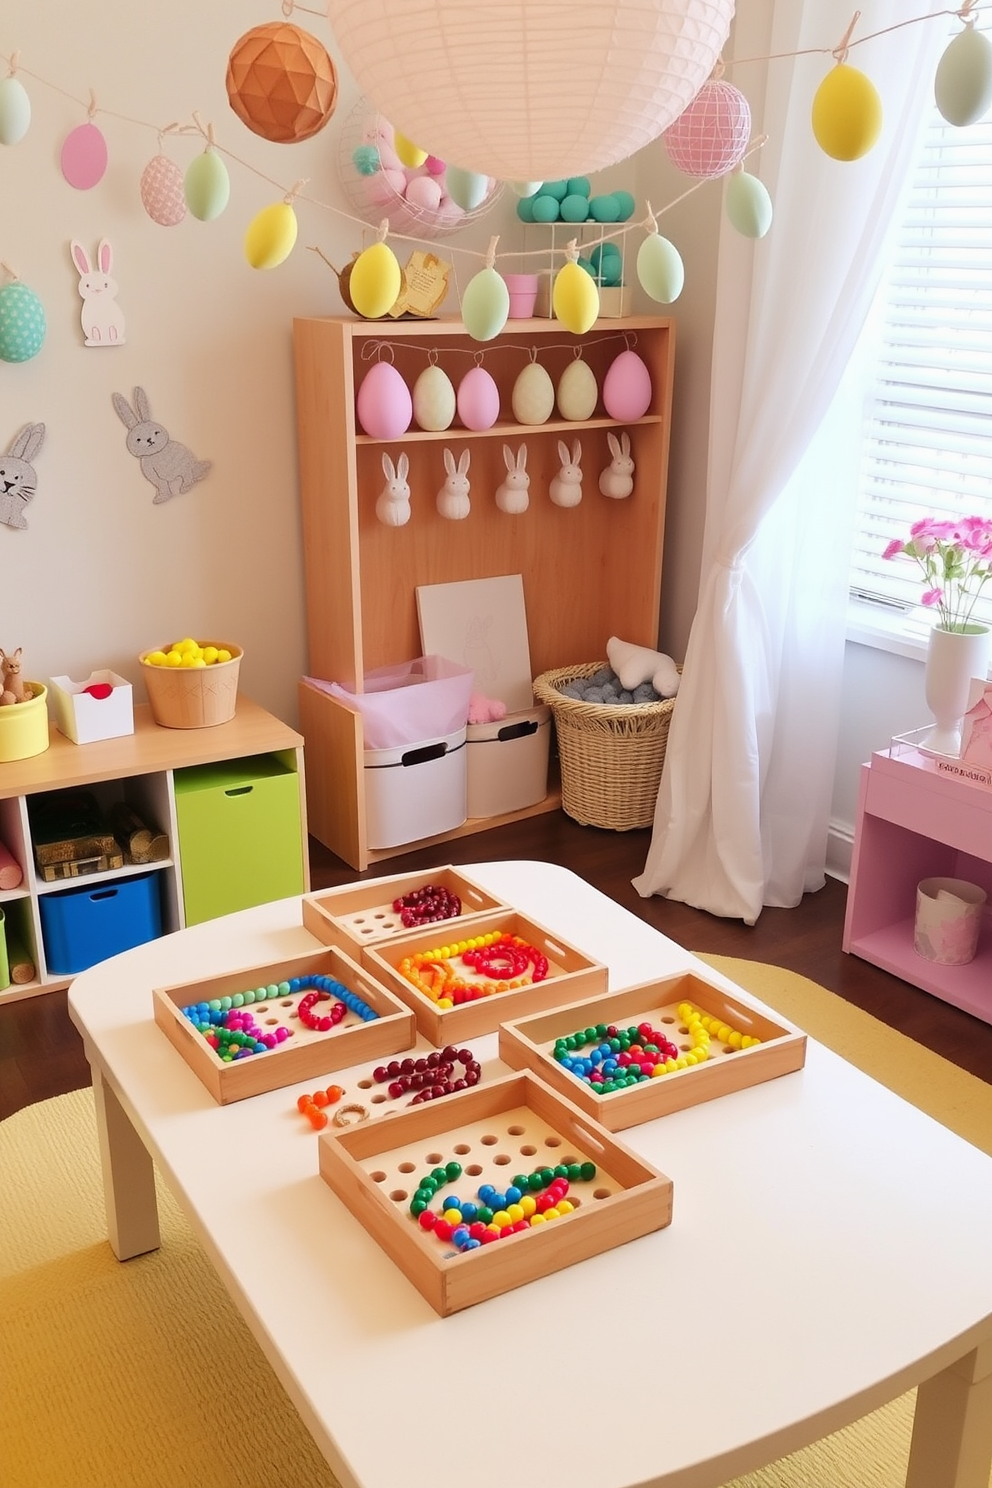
column 588, row 572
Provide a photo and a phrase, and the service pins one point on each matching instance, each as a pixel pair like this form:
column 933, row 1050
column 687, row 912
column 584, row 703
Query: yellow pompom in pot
column 192, row 684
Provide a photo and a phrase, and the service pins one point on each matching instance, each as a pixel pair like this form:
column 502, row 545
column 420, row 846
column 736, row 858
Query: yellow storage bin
column 24, row 726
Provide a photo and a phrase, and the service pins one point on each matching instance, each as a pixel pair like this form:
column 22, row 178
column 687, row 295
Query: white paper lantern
column 531, row 92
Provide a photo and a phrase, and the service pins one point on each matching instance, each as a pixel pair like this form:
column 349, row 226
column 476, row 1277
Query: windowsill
column 886, row 630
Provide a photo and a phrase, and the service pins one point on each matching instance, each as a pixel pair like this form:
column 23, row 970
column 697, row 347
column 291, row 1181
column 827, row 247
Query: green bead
column 485, row 1214
column 651, row 1049
column 214, row 1005
column 439, row 1175
column 417, row 1206
column 575, row 1171
column 570, row 1041
column 547, row 1176
column 534, row 1182
column 521, row 1181
column 453, row 1171
column 561, row 1171
column 283, row 989
column 587, row 1171
column 590, row 1035
column 426, row 1189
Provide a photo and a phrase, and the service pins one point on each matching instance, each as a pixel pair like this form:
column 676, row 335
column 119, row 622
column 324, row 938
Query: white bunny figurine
column 566, row 487
column 452, row 499
column 169, row 465
column 102, row 318
column 617, row 480
column 393, row 506
column 512, row 495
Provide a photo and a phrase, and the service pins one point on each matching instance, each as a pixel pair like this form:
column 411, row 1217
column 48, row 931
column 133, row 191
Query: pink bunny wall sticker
column 101, row 316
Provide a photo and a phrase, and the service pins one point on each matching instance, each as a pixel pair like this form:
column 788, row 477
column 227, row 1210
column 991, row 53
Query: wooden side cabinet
column 914, row 823
column 589, row 571
column 251, row 851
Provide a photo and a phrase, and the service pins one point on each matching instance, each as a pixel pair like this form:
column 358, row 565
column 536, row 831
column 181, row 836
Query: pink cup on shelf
column 523, row 295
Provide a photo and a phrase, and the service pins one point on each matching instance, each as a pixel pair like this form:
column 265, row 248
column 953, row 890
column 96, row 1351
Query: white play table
column 831, row 1247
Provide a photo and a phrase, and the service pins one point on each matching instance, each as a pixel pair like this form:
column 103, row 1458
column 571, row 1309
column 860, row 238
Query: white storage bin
column 415, row 791
column 508, row 762
column 83, row 718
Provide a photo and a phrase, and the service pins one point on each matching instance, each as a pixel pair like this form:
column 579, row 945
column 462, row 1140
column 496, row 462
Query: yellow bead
column 691, row 1058
column 680, row 1062
column 453, row 1216
column 537, row 1219
column 528, row 1204
column 515, row 1213
column 735, row 1040
column 501, row 1218
column 702, row 1054
column 552, row 1213
column 659, row 1069
column 445, row 1002
column 565, row 1206
column 670, row 1064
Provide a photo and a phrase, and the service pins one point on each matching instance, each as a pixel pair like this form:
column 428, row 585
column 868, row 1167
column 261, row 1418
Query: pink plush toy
column 485, row 710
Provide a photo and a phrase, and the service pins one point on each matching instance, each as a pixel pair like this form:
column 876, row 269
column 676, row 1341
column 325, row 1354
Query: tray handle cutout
column 424, row 753
column 517, row 730
column 239, row 790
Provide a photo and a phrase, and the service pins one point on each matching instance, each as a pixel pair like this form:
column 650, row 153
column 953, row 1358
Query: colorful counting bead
column 425, row 906
column 506, row 959
column 468, row 1225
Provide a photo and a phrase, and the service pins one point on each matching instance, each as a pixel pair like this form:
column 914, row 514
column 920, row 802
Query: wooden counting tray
column 527, row 1043
column 494, row 1131
column 569, row 973
column 362, row 914
column 308, row 1053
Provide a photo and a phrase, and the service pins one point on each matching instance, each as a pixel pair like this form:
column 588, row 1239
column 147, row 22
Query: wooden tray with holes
column 362, row 914
column 308, row 1052
column 570, row 974
column 494, row 1131
column 527, row 1043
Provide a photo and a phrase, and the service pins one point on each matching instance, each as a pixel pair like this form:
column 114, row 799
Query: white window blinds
column 927, row 437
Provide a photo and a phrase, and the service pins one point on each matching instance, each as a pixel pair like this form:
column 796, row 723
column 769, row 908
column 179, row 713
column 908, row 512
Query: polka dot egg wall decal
column 162, row 193
column 15, row 110
column 84, row 157
column 533, row 394
column 627, row 387
column 433, row 400
column 384, row 406
column 22, row 323
column 478, row 399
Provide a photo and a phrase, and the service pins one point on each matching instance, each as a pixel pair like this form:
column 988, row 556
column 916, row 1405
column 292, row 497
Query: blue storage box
column 83, row 926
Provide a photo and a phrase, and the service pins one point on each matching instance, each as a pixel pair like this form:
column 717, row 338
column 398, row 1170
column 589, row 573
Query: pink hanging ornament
column 162, row 192
column 710, row 137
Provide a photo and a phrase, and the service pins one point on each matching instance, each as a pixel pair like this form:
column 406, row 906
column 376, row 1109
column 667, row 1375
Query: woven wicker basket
column 611, row 755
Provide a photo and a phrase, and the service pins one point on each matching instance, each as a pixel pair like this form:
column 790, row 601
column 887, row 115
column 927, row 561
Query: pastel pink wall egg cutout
column 627, row 387
column 384, row 404
column 478, row 399
column 84, row 157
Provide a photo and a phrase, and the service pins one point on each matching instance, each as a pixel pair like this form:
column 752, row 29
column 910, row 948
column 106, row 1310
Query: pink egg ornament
column 627, row 388
column 478, row 399
column 84, row 156
column 384, row 405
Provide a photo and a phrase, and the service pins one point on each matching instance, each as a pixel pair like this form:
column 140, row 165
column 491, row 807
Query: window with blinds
column 927, row 437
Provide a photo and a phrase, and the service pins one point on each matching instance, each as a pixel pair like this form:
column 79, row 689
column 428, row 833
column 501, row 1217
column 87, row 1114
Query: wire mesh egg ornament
column 710, row 137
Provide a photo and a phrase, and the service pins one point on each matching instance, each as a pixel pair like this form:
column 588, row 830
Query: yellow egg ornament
column 271, row 235
column 846, row 114
column 575, row 298
column 375, row 282
column 410, row 154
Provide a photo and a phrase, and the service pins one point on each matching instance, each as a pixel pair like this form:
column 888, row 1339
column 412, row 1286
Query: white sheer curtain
column 743, row 807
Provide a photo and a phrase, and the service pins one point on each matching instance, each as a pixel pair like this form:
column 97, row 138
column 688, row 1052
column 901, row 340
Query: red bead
column 443, row 1230
column 427, row 1219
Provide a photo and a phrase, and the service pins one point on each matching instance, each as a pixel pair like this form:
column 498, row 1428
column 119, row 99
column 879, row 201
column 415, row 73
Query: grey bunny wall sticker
column 169, row 465
column 18, row 480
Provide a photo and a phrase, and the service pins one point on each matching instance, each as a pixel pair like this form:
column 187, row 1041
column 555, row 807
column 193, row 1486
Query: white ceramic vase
column 954, row 657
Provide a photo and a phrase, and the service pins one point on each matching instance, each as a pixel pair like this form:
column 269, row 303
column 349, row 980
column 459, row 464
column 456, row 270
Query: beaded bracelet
column 425, row 906
column 507, row 957
column 431, row 1076
column 234, row 1034
column 531, row 1199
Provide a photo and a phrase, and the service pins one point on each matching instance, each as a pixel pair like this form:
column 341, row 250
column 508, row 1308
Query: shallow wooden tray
column 308, row 1053
column 527, row 1043
column 570, row 973
column 362, row 914
column 494, row 1131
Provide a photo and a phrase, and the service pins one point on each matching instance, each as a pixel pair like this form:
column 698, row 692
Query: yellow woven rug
column 144, row 1375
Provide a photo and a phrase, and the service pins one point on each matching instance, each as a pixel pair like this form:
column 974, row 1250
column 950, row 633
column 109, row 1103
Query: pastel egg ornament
column 962, row 85
column 410, row 155
column 84, row 156
column 22, row 323
column 271, row 236
column 533, row 397
column 376, row 281
column 846, row 114
column 485, row 304
column 433, row 400
column 161, row 189
column 478, row 399
column 575, row 298
column 467, row 188
column 660, row 270
column 15, row 110
column 206, row 186
column 748, row 205
column 627, row 387
column 578, row 392
column 384, row 406
column 710, row 137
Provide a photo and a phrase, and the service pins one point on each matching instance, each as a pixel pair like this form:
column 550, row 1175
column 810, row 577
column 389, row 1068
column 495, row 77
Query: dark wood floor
column 41, row 1054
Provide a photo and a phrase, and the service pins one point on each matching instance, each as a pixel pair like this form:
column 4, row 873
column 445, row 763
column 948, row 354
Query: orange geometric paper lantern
column 281, row 82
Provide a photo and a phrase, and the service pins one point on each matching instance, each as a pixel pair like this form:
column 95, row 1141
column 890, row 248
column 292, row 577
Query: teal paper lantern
column 22, row 323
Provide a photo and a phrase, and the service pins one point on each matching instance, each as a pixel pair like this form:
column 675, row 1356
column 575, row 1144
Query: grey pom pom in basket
column 611, row 755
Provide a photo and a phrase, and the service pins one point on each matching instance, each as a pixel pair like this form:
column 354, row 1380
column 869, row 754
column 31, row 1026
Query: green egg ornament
column 749, row 207
column 525, row 188
column 206, row 186
column 574, row 208
column 485, row 305
column 22, row 323
column 466, row 188
column 15, row 111
column 660, row 269
column 375, row 281
column 575, row 299
column 578, row 392
column 271, row 236
column 544, row 208
column 604, row 209
column 962, row 86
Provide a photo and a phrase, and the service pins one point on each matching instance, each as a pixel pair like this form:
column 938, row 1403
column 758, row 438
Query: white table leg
column 128, row 1177
column 952, row 1429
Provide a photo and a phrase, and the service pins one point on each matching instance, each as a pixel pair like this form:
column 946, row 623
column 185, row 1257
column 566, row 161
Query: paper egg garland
column 162, row 191
column 627, row 388
column 433, row 400
column 749, row 207
column 533, row 397
column 383, row 406
column 376, row 281
column 22, row 323
column 281, row 82
column 962, row 86
column 271, row 236
column 206, row 186
column 84, row 157
column 846, row 114
column 578, row 392
column 478, row 399
column 485, row 305
column 15, row 110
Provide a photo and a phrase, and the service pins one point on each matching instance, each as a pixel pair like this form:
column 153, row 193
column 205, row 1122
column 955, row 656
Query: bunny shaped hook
column 617, row 480
column 566, row 487
column 512, row 495
column 453, row 498
column 393, row 505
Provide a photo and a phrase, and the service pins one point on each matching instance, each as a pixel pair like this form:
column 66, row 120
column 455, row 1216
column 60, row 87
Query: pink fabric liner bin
column 409, row 702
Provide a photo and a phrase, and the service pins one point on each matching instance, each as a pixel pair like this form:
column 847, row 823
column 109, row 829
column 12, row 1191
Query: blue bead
column 470, row 1212
column 260, row 1048
column 485, row 1192
column 215, row 1016
column 460, row 1237
column 294, row 984
column 609, row 1065
column 450, row 1202
column 471, row 1244
column 512, row 1195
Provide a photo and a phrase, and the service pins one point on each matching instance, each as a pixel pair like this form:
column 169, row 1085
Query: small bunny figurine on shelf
column 617, row 480
column 393, row 505
column 101, row 316
column 18, row 480
column 566, row 487
column 170, row 466
column 13, row 689
column 512, row 495
column 453, row 498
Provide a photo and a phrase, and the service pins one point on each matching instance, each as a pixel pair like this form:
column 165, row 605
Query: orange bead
column 334, row 1093
column 319, row 1098
column 302, row 1103
column 317, row 1118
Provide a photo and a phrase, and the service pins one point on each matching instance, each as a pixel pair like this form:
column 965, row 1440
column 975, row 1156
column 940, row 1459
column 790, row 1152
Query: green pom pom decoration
column 544, row 208
column 525, row 208
column 557, row 189
column 574, row 208
column 626, row 203
column 604, row 209
column 365, row 159
column 578, row 186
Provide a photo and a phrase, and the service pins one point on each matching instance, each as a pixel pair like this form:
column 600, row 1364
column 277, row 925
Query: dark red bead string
column 431, row 1076
column 324, row 1022
column 425, row 906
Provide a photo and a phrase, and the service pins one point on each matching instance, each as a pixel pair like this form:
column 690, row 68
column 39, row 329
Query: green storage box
column 240, row 836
